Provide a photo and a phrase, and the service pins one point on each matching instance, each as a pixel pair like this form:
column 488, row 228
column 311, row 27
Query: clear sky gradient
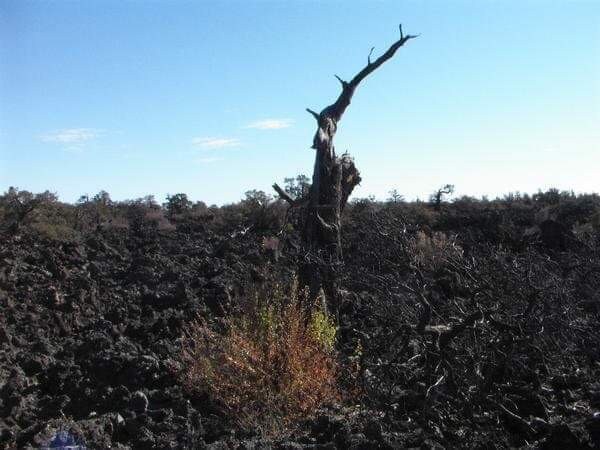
column 208, row 98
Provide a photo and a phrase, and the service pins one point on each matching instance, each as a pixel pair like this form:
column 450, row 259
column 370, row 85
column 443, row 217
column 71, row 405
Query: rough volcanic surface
column 477, row 327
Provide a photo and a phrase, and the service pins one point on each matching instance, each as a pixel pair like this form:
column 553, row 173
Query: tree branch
column 328, row 227
column 369, row 57
column 314, row 114
column 336, row 110
column 379, row 61
column 344, row 83
column 284, row 195
column 458, row 328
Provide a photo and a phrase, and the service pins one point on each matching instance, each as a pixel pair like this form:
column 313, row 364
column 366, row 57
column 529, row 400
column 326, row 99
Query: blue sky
column 208, row 98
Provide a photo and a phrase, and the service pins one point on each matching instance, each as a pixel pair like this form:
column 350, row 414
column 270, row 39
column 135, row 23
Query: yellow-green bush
column 274, row 362
column 323, row 329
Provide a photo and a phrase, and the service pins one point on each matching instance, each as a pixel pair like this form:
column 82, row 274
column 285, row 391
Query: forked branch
column 337, row 109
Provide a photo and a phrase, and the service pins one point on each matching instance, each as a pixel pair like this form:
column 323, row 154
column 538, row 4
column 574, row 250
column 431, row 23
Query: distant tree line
column 44, row 214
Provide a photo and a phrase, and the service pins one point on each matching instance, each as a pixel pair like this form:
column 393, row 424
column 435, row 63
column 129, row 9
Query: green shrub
column 323, row 329
column 270, row 366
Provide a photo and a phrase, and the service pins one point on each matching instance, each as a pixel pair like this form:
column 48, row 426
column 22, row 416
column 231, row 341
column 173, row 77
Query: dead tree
column 334, row 178
column 437, row 196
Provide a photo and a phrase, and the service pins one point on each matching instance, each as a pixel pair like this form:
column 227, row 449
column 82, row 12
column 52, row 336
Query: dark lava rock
column 373, row 430
column 530, row 405
column 561, row 437
column 406, row 399
column 594, row 395
column 360, row 441
column 289, row 446
column 139, row 402
column 430, row 444
column 91, row 331
column 220, row 445
column 214, row 429
column 593, row 427
column 326, row 426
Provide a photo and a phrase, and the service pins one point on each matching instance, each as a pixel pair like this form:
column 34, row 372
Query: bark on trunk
column 334, row 178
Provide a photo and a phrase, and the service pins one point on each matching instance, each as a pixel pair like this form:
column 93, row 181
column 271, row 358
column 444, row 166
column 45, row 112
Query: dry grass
column 433, row 251
column 270, row 366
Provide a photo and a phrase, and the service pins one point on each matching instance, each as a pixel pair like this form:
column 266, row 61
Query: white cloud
column 207, row 160
column 213, row 142
column 270, row 124
column 71, row 136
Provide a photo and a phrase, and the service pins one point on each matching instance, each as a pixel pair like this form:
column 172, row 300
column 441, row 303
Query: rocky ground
column 479, row 329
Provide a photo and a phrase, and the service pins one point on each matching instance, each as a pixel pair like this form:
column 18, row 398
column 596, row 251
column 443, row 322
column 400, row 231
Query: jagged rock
column 561, row 437
column 139, row 402
column 593, row 427
column 373, row 430
column 85, row 327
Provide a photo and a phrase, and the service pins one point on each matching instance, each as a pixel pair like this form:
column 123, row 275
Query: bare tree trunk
column 334, row 178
